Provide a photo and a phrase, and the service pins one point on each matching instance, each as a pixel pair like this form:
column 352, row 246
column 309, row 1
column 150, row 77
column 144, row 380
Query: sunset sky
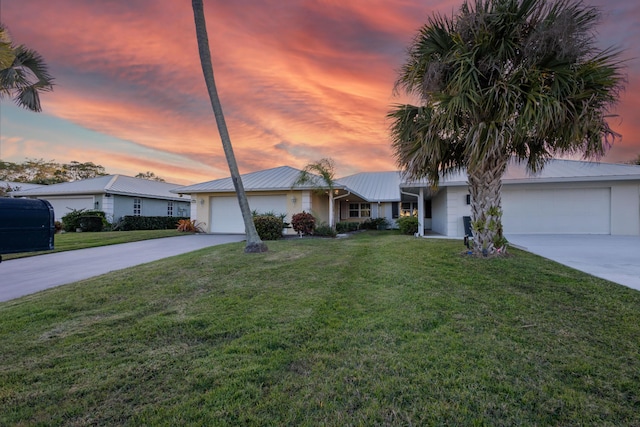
column 299, row 80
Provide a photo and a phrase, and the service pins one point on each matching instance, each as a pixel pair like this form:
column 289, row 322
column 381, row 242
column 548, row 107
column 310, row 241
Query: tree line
column 39, row 171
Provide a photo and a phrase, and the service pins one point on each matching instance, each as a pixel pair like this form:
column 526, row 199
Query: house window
column 137, row 207
column 169, row 208
column 359, row 210
column 409, row 209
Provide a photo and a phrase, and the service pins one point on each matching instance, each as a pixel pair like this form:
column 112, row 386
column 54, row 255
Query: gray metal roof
column 555, row 170
column 15, row 186
column 276, row 179
column 374, row 186
column 113, row 184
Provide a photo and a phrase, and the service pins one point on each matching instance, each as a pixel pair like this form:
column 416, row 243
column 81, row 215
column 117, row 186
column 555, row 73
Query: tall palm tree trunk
column 254, row 243
column 485, row 186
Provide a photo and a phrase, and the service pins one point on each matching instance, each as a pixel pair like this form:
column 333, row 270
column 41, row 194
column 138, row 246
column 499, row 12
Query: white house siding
column 107, row 206
column 439, row 212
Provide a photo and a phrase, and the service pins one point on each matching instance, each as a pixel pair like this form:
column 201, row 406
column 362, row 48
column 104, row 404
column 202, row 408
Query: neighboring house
column 571, row 197
column 116, row 195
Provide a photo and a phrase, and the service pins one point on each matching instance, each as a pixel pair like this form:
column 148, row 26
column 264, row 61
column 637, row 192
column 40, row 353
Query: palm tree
column 23, row 73
column 321, row 175
column 254, row 243
column 503, row 79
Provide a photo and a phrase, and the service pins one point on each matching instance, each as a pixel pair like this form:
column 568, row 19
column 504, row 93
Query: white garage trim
column 225, row 216
column 557, row 211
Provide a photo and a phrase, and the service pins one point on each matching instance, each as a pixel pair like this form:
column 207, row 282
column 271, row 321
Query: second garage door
column 557, row 211
column 225, row 212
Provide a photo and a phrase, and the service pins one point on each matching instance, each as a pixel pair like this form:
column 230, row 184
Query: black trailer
column 26, row 225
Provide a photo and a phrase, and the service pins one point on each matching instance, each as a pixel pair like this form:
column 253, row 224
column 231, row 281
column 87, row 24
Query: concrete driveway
column 614, row 258
column 25, row 276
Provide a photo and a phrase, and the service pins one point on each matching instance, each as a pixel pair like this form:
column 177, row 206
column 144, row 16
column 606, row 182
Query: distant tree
column 254, row 243
column 503, row 79
column 75, row 171
column 39, row 171
column 635, row 161
column 23, row 73
column 150, row 176
column 321, row 175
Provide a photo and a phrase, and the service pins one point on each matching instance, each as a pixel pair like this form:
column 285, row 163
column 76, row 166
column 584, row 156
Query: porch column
column 421, row 213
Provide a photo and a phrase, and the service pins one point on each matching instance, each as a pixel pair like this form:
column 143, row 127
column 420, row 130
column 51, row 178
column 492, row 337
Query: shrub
column 374, row 224
column 91, row 223
column 303, row 223
column 269, row 227
column 408, row 224
column 129, row 223
column 325, row 231
column 347, row 227
column 58, row 226
column 71, row 221
column 189, row 226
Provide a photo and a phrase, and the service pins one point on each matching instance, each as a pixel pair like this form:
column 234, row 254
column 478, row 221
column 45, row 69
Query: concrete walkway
column 614, row 258
column 25, row 276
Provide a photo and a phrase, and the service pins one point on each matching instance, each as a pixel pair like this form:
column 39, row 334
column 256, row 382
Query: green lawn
column 376, row 329
column 71, row 241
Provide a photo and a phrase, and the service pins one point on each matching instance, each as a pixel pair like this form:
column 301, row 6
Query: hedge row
column 129, row 222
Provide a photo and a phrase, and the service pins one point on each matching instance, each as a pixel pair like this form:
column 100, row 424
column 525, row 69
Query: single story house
column 572, row 197
column 116, row 195
column 215, row 204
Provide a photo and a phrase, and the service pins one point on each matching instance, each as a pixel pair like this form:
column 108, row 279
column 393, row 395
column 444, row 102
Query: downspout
column 420, row 198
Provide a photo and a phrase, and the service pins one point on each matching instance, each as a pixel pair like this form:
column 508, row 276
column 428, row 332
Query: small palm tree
column 321, row 175
column 503, row 79
column 254, row 243
column 23, row 73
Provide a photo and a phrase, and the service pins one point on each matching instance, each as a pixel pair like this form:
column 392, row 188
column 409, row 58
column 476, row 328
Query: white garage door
column 225, row 211
column 64, row 205
column 557, row 211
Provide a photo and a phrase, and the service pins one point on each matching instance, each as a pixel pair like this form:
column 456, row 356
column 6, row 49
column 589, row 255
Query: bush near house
column 324, row 230
column 374, row 224
column 71, row 221
column 189, row 226
column 129, row 222
column 92, row 223
column 303, row 223
column 269, row 227
column 347, row 227
column 408, row 224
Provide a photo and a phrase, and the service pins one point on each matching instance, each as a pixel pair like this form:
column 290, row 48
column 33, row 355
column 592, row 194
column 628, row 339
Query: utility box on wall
column 26, row 225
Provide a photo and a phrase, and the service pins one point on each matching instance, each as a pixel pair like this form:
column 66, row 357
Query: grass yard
column 376, row 329
column 71, row 241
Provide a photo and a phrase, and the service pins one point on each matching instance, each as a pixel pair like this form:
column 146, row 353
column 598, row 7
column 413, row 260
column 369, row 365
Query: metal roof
column 15, row 186
column 374, row 186
column 386, row 186
column 113, row 184
column 276, row 179
column 555, row 170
